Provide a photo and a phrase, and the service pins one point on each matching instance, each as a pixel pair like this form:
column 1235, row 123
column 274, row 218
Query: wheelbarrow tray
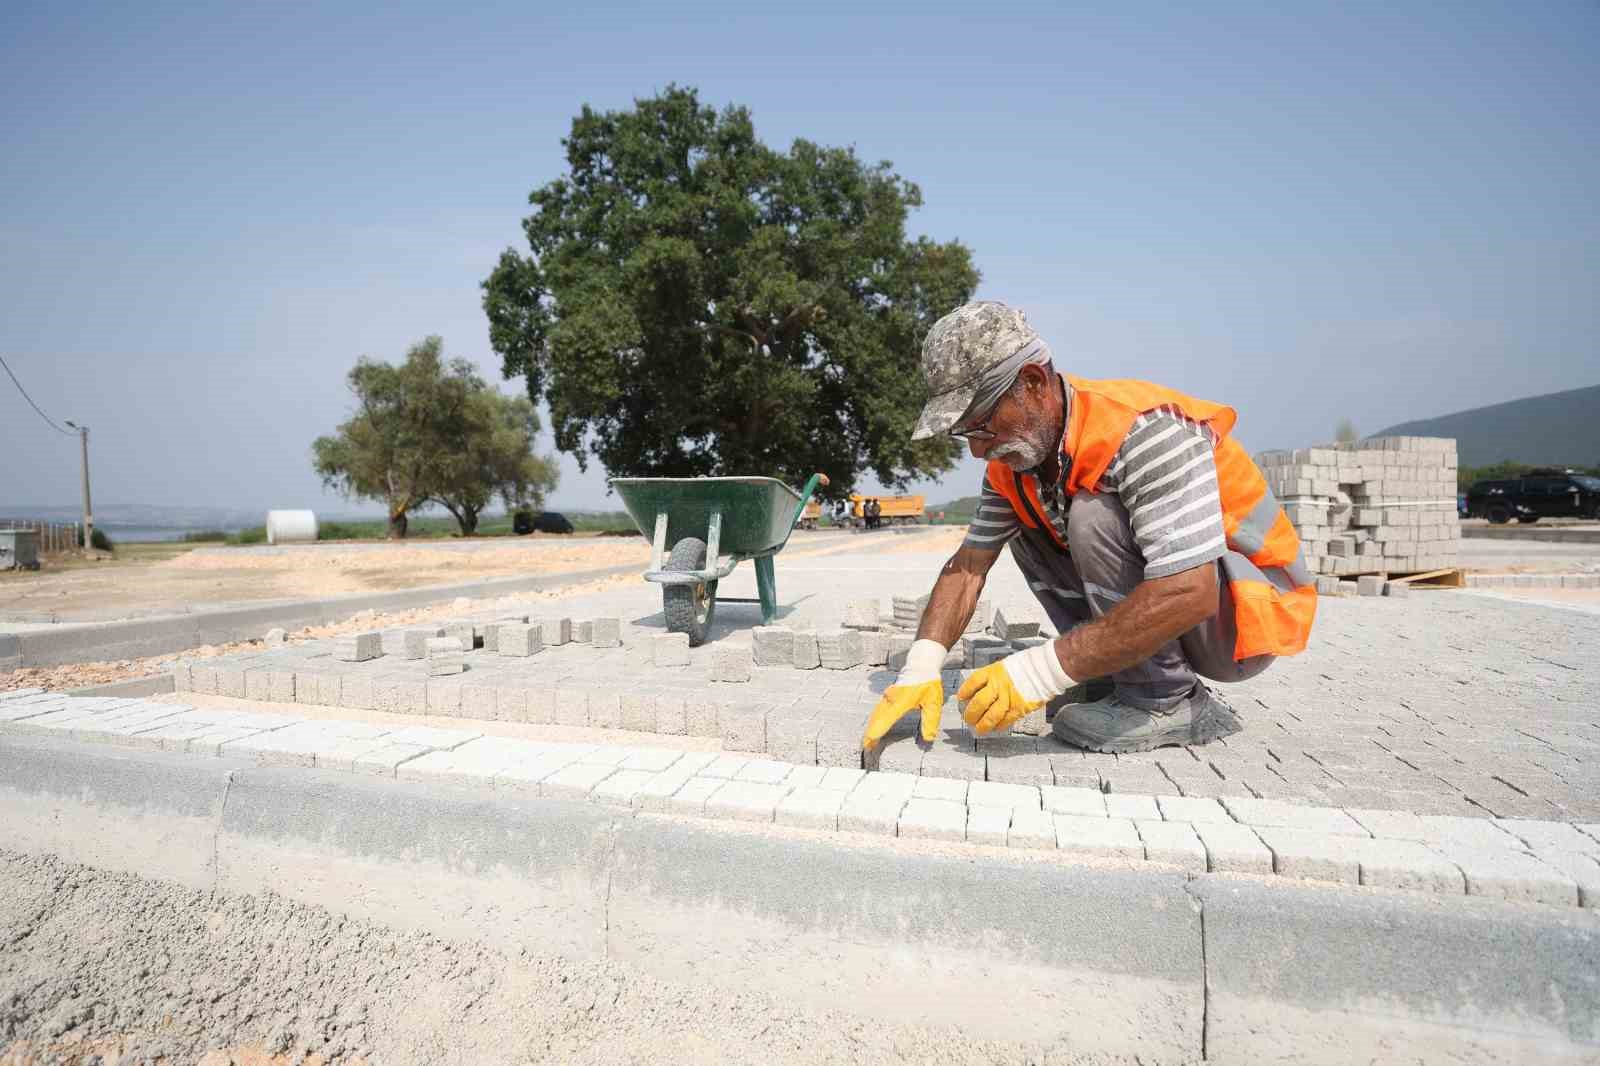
column 757, row 512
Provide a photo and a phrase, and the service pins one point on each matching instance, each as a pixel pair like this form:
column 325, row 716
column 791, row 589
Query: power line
column 31, row 404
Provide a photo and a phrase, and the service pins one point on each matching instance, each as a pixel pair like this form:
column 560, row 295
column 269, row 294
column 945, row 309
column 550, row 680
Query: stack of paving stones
column 1534, row 861
column 1375, row 507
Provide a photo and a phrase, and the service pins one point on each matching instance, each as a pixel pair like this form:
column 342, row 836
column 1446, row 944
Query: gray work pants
column 1103, row 567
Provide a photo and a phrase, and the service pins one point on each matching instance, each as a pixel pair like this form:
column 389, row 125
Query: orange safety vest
column 1274, row 594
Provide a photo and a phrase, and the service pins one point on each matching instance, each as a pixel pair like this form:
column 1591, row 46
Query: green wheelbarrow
column 694, row 521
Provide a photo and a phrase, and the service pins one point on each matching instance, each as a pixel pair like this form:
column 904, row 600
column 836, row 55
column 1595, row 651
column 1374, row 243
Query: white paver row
column 1535, row 861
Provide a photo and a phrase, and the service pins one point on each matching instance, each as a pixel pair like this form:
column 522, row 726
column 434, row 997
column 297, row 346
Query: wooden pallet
column 1449, row 578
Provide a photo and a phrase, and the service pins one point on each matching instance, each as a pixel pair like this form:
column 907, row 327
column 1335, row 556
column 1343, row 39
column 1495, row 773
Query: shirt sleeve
column 994, row 524
column 1166, row 475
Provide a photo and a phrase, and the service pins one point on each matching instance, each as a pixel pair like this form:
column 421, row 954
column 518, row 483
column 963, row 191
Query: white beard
column 1028, row 454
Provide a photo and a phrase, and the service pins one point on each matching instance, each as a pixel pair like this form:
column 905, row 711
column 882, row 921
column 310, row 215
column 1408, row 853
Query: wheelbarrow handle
column 819, row 478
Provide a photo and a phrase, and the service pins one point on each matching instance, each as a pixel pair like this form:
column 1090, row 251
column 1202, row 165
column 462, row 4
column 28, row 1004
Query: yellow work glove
column 1000, row 693
column 918, row 686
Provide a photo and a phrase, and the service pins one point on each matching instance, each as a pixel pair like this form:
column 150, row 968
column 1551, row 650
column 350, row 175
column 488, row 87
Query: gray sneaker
column 1115, row 725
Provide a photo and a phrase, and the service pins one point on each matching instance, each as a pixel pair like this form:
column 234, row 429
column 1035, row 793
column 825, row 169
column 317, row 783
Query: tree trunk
column 397, row 526
column 468, row 521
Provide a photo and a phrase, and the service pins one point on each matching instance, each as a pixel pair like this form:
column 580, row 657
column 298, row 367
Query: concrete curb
column 133, row 688
column 1107, row 959
column 1547, row 536
column 135, row 638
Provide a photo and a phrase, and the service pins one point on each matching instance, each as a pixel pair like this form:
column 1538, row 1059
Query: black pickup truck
column 1540, row 494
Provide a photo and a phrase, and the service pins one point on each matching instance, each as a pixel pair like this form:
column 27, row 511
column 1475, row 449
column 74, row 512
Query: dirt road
column 131, row 970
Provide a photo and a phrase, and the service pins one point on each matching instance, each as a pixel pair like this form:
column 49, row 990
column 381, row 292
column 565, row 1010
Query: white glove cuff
column 1037, row 673
column 923, row 663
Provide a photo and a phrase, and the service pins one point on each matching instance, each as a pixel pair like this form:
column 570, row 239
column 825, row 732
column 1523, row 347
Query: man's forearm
column 1154, row 613
column 950, row 605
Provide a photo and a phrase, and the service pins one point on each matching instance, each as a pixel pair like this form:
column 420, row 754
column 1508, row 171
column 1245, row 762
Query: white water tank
column 291, row 527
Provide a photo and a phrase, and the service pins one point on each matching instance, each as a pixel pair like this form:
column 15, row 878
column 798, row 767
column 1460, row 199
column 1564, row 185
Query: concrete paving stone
column 307, row 687
column 282, row 680
column 862, row 614
column 810, row 808
column 355, row 691
column 1312, row 856
column 358, row 647
column 432, row 736
column 176, row 733
column 998, row 794
column 806, row 656
column 212, row 743
column 1482, row 833
column 555, row 632
column 1192, row 809
column 258, row 683
column 841, row 778
column 1406, row 864
column 669, row 649
column 415, row 640
column 1085, row 802
column 479, row 698
column 1036, row 770
column 730, row 661
column 1072, row 770
column 874, row 649
column 582, row 632
column 902, row 756
column 1390, row 825
column 702, row 713
column 871, row 812
column 529, row 774
column 691, row 797
column 792, row 736
column 1584, row 869
column 607, row 633
column 575, row 781
column 725, row 766
column 1174, row 843
column 1134, row 779
column 988, row 825
column 839, row 745
column 928, row 819
column 524, row 701
column 941, row 788
column 1233, row 848
column 605, row 754
column 945, row 759
column 605, row 709
column 1030, row 829
column 638, row 711
column 203, row 677
column 295, row 745
column 773, row 645
column 764, row 771
column 1541, row 835
column 230, row 681
column 1590, row 830
column 572, row 707
column 444, row 696
column 20, row 710
column 18, row 693
column 1119, row 805
column 1006, row 745
column 672, row 714
column 806, row 776
column 623, row 788
column 1115, row 837
column 743, row 726
column 1502, row 873
column 745, row 801
column 1277, row 814
column 515, row 640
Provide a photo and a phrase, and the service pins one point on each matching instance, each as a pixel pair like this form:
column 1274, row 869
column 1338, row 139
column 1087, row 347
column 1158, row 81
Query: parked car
column 1461, row 506
column 525, row 522
column 1540, row 494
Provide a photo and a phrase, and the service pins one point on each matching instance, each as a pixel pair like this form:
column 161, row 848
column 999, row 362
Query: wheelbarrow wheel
column 689, row 608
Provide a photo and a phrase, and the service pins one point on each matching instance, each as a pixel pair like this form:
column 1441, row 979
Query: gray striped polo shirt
column 1166, row 477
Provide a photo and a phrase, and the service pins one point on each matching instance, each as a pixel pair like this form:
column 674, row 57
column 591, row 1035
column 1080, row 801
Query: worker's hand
column 919, row 686
column 1000, row 693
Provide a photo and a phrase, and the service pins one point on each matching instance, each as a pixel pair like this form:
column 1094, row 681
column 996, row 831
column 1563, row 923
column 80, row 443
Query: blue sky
column 1310, row 211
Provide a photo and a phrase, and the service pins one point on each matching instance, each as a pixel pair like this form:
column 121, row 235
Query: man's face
column 1023, row 438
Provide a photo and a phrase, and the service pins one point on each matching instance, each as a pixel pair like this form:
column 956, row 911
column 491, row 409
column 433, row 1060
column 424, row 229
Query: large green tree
column 695, row 302
column 430, row 430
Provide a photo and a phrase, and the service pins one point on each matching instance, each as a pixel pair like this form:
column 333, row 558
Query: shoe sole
column 1216, row 719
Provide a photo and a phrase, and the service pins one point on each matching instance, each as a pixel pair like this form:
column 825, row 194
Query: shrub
column 253, row 535
column 205, row 536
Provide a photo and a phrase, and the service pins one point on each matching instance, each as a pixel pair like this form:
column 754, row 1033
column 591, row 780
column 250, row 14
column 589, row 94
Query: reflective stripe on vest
column 1274, row 594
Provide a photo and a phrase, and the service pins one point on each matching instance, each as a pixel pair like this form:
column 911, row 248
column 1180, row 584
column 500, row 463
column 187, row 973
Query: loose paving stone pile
column 1546, row 862
column 1384, row 505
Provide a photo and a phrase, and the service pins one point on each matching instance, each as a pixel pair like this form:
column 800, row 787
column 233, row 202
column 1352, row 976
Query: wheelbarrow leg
column 767, row 589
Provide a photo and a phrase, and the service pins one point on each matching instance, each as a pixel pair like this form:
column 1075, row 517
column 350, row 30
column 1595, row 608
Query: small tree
column 1346, row 433
column 491, row 455
column 431, row 430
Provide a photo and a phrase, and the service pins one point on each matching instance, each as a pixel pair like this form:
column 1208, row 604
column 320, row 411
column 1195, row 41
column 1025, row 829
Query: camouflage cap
column 960, row 348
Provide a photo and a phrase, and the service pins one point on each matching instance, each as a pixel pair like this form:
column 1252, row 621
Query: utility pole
column 88, row 511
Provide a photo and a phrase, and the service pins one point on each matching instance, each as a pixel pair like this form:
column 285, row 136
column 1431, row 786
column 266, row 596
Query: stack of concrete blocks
column 357, row 647
column 1381, row 506
column 517, row 639
column 445, row 657
column 415, row 641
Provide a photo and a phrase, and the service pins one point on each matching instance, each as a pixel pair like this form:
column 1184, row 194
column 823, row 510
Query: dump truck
column 897, row 510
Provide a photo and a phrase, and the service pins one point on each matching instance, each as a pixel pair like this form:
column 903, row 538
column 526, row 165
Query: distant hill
column 1561, row 428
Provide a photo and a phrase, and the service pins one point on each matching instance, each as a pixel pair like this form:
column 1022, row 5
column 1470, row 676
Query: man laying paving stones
column 1145, row 531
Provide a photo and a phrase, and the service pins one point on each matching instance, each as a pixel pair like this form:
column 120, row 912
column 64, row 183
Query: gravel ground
column 108, row 968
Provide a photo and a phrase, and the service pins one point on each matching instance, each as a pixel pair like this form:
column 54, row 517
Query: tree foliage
column 432, row 431
column 695, row 302
column 1346, row 432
